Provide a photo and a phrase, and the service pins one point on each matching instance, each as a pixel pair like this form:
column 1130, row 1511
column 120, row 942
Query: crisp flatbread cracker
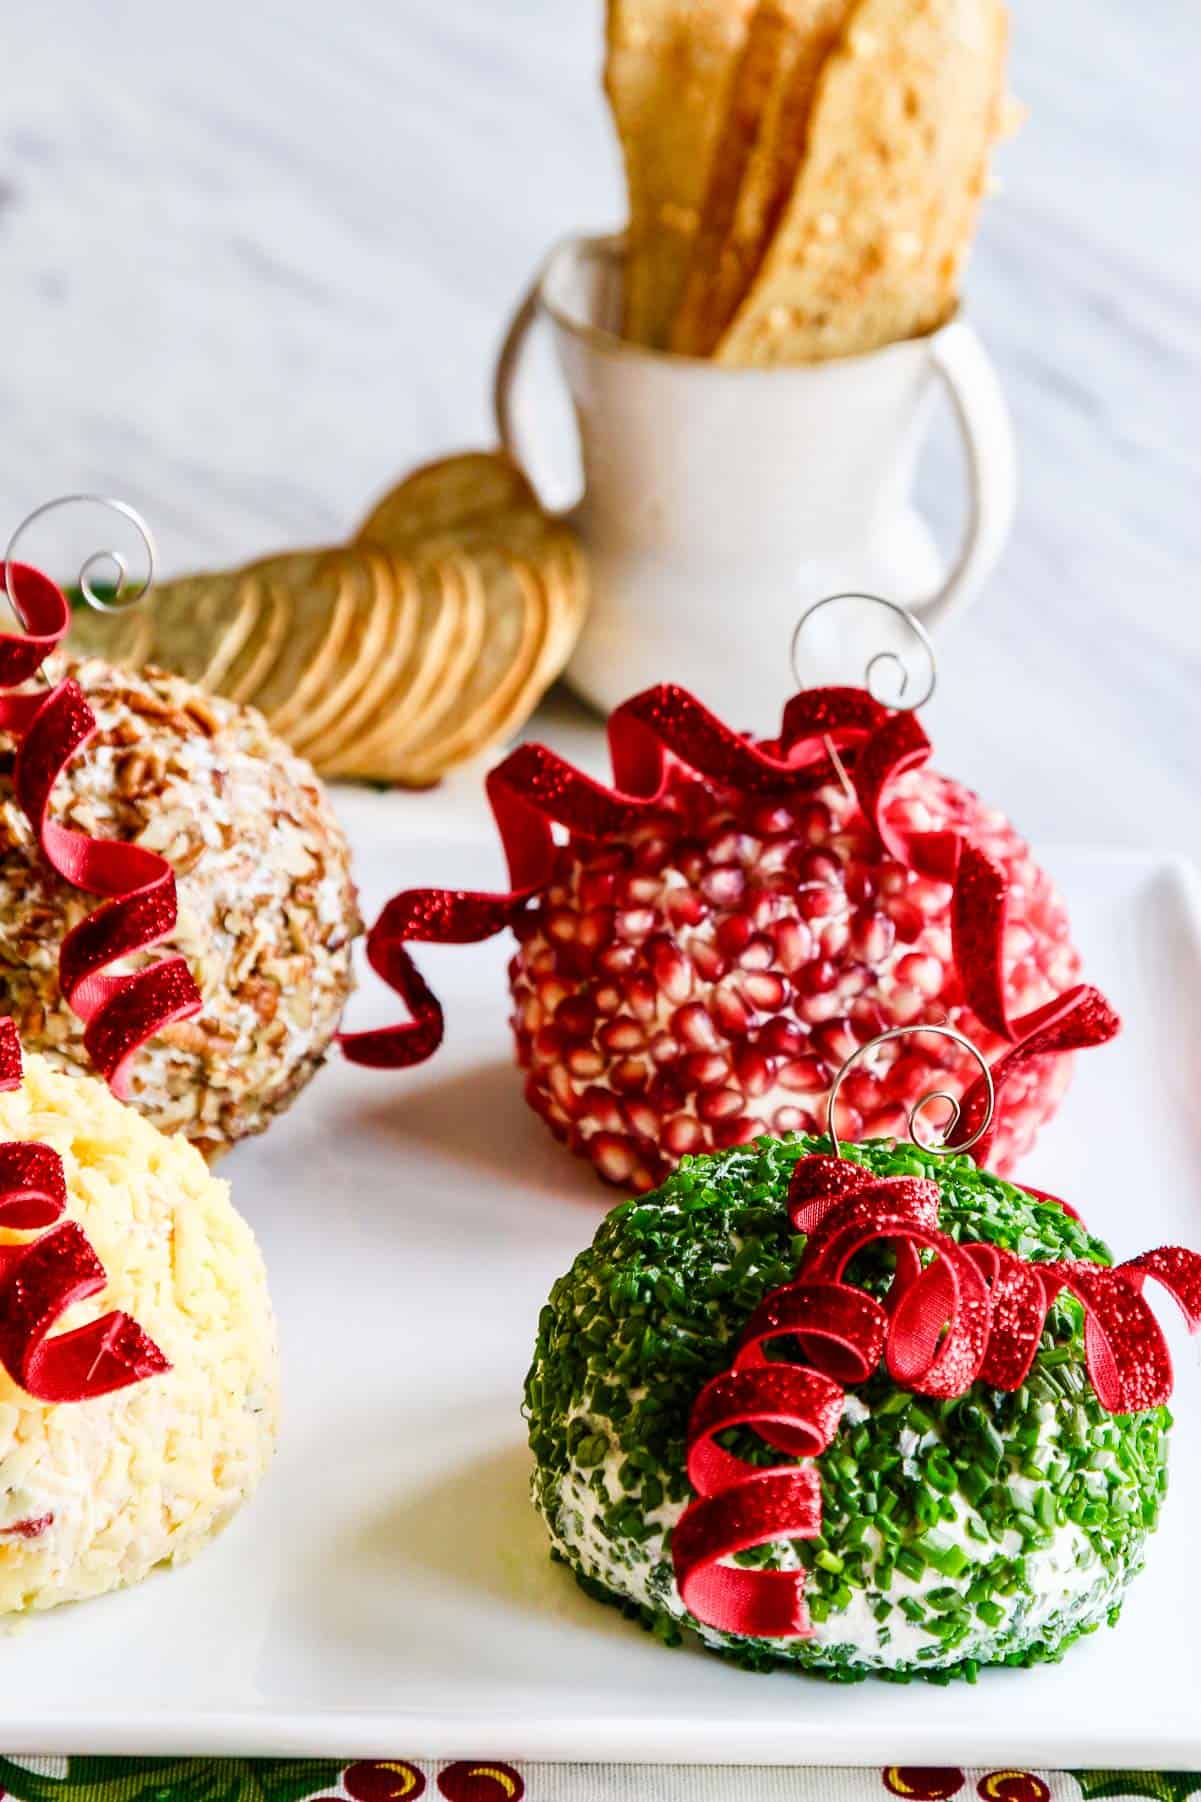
column 801, row 33
column 754, row 76
column 669, row 67
column 869, row 247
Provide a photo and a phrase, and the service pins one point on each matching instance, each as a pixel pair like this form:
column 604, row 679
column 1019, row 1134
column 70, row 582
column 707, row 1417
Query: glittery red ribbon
column 973, row 1312
column 120, row 1011
column 533, row 791
column 40, row 1280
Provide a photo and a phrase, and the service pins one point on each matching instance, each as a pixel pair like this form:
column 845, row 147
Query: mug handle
column 509, row 365
column 986, row 431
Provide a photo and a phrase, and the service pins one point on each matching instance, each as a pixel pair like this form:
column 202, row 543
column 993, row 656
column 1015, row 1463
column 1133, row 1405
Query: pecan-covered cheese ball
column 267, row 908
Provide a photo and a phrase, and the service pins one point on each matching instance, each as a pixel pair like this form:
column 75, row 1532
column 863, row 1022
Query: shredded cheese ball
column 146, row 1476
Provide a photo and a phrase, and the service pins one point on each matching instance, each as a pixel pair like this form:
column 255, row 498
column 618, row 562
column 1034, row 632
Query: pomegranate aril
column 763, row 989
column 724, row 885
column 669, row 967
column 805, row 1075
column 814, row 1008
column 585, row 1062
column 752, row 1071
column 634, row 923
column 564, row 1092
column 904, row 1005
column 730, row 1010
column 600, row 1106
column 665, row 1095
column 682, row 1134
column 925, row 974
column 872, row 935
column 615, row 1156
column 771, row 817
column 860, row 884
column 733, row 847
column 636, row 891
column 561, row 924
column 707, row 959
column 693, row 1027
column 719, row 1104
column 529, row 1014
column 835, row 1041
column 848, row 1121
column 621, row 1034
column 619, row 960
column 814, row 822
column 781, row 1038
column 888, row 1122
column 642, row 1119
column 816, row 902
column 757, row 954
column 817, row 866
column 863, row 1090
column 907, row 918
column 684, row 907
column 608, row 998
column 793, row 1120
column 642, row 997
column 576, row 1016
column 596, row 930
column 547, row 1046
column 705, row 1069
column 738, row 1131
column 733, row 932
column 816, row 977
column 793, row 943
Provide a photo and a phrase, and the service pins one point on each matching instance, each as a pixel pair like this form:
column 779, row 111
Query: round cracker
column 504, row 674
column 364, row 642
column 398, row 585
column 444, row 496
column 403, row 711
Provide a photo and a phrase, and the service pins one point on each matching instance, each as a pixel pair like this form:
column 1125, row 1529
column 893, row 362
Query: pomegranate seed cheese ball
column 964, row 1498
column 699, row 980
column 134, row 1429
column 267, row 910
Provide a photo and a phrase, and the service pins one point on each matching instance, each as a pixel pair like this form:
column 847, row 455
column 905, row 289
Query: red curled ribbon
column 40, row 1280
column 534, row 790
column 974, row 1312
column 120, row 1011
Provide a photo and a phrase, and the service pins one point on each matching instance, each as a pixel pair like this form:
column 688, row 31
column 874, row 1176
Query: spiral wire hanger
column 875, row 664
column 100, row 565
column 940, row 1145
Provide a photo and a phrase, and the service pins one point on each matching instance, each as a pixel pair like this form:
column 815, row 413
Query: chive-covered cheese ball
column 994, row 1528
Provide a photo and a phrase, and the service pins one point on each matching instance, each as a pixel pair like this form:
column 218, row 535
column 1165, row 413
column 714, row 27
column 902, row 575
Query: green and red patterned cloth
column 487, row 1780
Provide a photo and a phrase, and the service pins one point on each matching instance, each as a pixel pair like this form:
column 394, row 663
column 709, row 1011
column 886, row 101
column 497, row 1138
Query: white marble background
column 256, row 259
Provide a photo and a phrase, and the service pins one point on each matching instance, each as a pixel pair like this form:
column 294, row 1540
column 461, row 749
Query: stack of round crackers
column 427, row 639
column 803, row 175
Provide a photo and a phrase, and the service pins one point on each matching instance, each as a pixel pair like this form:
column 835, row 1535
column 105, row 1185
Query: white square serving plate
column 389, row 1591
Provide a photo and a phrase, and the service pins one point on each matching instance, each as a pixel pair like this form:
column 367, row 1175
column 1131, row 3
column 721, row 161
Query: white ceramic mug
column 719, row 503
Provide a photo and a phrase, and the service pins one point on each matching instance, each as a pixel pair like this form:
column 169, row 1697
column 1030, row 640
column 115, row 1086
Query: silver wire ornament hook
column 874, row 665
column 940, row 1147
column 111, row 562
column 913, row 625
